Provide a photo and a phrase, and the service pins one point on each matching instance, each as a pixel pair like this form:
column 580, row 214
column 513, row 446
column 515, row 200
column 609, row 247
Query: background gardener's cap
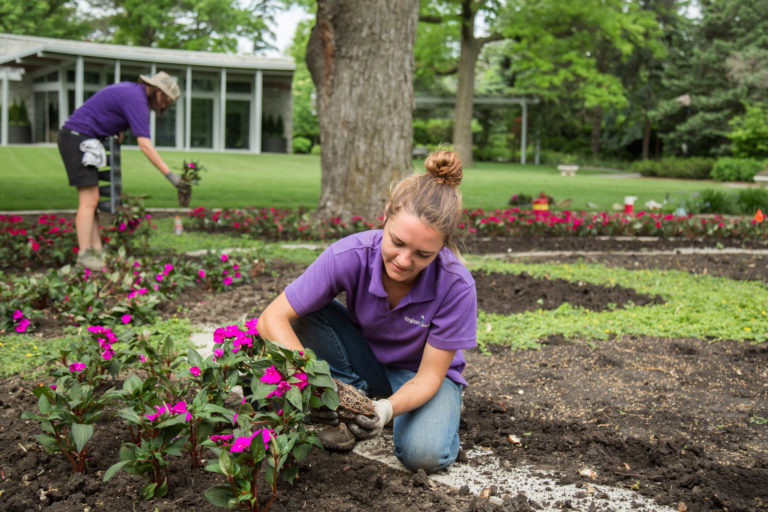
column 164, row 82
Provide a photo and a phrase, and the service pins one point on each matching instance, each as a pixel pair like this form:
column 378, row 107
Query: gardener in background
column 107, row 113
column 411, row 307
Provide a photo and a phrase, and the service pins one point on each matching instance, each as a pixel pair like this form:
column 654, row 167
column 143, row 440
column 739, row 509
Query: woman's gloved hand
column 366, row 427
column 174, row 178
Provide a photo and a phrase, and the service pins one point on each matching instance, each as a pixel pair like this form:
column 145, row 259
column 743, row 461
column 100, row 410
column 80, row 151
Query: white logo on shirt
column 413, row 321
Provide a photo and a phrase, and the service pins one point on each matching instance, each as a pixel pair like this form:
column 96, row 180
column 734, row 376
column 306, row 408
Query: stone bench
column 567, row 169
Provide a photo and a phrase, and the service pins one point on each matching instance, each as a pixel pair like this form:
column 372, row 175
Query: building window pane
column 202, row 123
column 238, row 86
column 237, row 135
column 202, row 84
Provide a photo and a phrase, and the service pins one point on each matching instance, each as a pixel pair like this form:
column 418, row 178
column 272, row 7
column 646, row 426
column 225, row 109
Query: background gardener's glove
column 174, row 178
column 366, row 427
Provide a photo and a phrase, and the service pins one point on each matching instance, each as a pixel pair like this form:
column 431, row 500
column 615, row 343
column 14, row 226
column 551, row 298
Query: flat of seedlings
column 677, row 421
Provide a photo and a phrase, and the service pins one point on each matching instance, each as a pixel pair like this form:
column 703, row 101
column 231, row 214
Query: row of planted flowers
column 127, row 291
column 172, row 406
column 51, row 240
column 273, row 223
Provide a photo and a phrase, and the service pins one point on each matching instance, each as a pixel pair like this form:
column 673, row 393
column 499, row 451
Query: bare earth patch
column 676, row 420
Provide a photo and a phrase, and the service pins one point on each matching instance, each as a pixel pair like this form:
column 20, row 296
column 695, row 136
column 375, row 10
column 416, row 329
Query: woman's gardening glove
column 366, row 427
column 174, row 178
column 324, row 415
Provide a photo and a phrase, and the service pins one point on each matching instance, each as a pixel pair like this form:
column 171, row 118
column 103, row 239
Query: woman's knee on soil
column 431, row 458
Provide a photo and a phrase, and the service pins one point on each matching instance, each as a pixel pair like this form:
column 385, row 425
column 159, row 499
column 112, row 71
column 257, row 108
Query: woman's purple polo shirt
column 441, row 308
column 112, row 110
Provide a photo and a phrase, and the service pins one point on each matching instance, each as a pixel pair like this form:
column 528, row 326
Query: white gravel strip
column 486, row 474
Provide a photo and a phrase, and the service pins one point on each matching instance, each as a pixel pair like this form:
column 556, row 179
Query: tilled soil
column 676, row 420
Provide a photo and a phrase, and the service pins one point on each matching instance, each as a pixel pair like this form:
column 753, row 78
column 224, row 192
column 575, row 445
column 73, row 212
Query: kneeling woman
column 411, row 307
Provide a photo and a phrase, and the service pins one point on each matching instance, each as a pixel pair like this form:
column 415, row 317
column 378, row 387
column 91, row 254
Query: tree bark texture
column 360, row 56
column 465, row 89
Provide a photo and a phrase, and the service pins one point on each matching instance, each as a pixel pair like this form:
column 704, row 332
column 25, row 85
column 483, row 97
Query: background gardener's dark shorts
column 69, row 147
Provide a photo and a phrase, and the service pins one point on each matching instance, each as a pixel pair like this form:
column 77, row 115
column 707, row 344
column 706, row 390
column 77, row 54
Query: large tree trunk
column 597, row 126
column 360, row 55
column 646, row 138
column 465, row 95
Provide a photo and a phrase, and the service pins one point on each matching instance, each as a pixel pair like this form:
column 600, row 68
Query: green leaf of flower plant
column 226, row 464
column 330, row 398
column 219, row 495
column 148, row 491
column 294, row 397
column 132, row 383
column 114, row 468
column 194, row 358
column 81, row 434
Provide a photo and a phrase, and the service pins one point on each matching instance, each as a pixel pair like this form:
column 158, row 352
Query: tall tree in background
column 360, row 55
column 464, row 14
column 304, row 111
column 204, row 25
column 719, row 70
column 44, row 18
column 565, row 51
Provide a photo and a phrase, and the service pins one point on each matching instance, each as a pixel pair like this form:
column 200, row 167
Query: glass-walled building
column 224, row 97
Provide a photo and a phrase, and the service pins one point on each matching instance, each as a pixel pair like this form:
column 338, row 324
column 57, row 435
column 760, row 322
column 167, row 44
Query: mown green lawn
column 33, row 177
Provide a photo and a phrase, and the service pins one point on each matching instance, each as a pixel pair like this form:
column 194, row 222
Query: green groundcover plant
column 173, row 406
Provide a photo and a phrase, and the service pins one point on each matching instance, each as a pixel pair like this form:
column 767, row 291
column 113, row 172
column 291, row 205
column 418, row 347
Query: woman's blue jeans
column 426, row 438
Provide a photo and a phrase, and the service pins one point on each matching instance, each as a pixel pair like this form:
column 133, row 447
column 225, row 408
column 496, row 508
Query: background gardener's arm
column 149, row 150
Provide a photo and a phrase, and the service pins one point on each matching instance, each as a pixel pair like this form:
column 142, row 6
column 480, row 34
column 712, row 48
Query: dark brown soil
column 669, row 418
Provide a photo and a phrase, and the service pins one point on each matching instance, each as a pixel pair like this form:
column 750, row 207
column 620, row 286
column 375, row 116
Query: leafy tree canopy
column 44, row 18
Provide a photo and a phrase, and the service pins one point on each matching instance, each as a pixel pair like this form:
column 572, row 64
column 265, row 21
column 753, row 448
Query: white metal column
column 79, row 70
column 524, row 132
column 258, row 87
column 4, row 120
column 188, row 110
column 220, row 139
column 117, row 72
column 152, row 115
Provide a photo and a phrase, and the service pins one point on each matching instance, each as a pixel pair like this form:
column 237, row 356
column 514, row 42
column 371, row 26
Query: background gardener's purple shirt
column 112, row 110
column 441, row 308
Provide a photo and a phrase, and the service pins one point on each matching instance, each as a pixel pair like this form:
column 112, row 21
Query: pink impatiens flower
column 22, row 325
column 126, row 319
column 224, row 257
column 302, row 377
column 195, row 371
column 18, row 314
column 76, row 367
column 271, row 376
column 201, row 273
column 281, row 389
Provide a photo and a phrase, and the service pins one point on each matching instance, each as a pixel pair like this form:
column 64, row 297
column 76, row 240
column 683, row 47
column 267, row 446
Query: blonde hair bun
column 445, row 167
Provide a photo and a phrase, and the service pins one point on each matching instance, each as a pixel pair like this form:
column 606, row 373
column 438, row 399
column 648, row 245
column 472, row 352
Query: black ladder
column 111, row 192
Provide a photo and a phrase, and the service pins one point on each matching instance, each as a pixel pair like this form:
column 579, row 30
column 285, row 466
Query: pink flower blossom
column 168, row 268
column 158, row 278
column 53, row 386
column 18, row 314
column 224, row 437
column 126, row 319
column 201, row 273
column 302, row 378
column 22, row 325
column 142, row 358
column 281, row 389
column 195, row 371
column 271, row 376
column 224, row 257
column 218, row 352
column 227, row 281
column 122, row 227
column 250, row 326
column 76, row 367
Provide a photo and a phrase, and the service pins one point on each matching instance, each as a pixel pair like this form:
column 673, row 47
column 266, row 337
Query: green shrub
column 695, row 168
column 749, row 132
column 498, row 149
column 748, row 200
column 711, row 201
column 301, row 145
column 736, row 169
column 315, row 149
column 432, row 131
